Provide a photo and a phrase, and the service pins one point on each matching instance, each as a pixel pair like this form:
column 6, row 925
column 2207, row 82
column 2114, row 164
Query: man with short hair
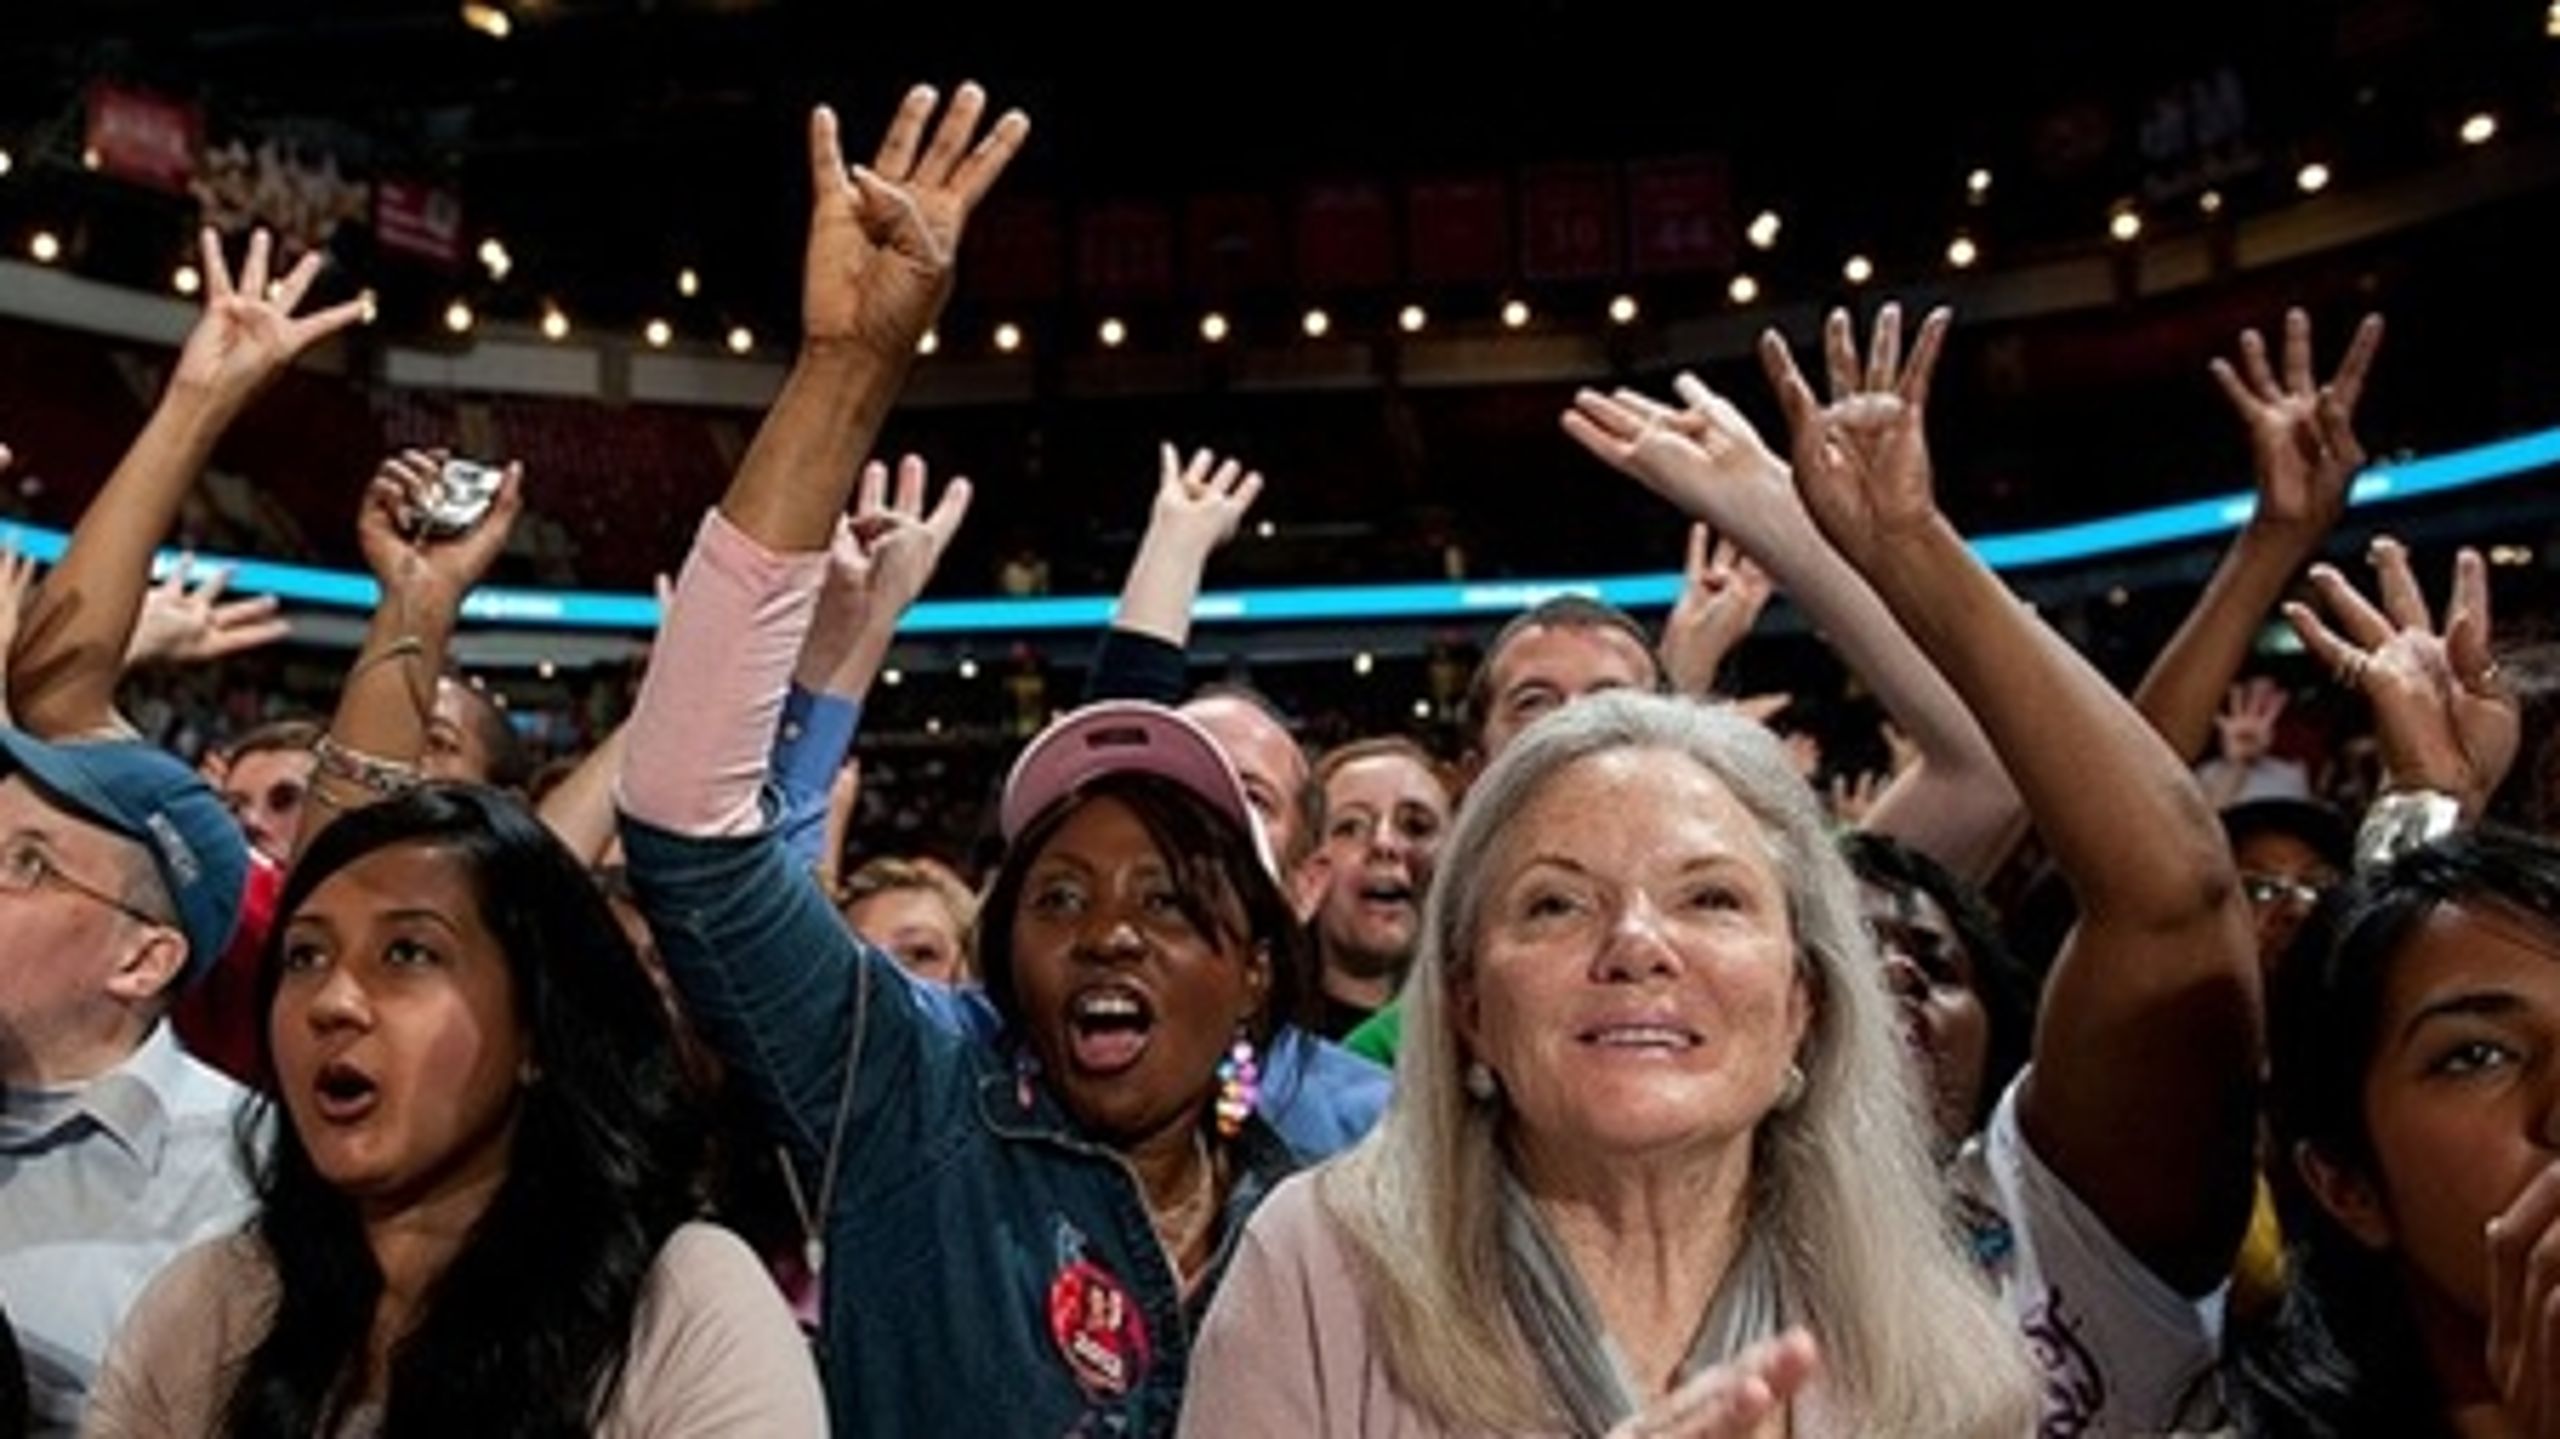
column 1547, row 655
column 120, row 879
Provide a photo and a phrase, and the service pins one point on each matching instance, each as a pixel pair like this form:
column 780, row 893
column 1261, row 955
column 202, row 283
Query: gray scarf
column 1583, row 1366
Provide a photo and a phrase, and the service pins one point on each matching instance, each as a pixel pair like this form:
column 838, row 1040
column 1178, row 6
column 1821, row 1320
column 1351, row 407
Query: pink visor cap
column 1126, row 737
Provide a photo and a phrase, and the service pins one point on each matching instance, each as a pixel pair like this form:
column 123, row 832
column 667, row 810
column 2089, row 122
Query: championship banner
column 1125, row 250
column 1460, row 231
column 420, row 220
column 1346, row 238
column 142, row 137
column 1680, row 215
column 1569, row 223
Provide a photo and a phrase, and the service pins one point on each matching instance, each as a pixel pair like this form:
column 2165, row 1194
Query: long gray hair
column 1843, row 1194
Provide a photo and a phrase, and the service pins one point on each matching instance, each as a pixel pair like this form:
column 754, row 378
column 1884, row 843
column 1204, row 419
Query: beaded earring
column 1239, row 1087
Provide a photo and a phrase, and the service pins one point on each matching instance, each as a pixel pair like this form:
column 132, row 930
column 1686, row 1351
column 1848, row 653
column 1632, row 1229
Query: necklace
column 1181, row 1225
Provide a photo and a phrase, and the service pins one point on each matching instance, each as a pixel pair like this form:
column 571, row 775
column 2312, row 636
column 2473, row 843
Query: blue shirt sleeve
column 809, row 746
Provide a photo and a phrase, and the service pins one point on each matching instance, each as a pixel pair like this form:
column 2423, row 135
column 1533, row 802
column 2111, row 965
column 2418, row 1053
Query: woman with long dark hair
column 475, row 1219
column 2413, row 1030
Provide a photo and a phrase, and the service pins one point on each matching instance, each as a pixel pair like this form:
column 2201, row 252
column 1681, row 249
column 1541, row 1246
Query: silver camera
column 458, row 498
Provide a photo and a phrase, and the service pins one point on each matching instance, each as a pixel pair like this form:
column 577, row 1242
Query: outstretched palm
column 2302, row 440
column 248, row 332
column 882, row 236
column 1862, row 461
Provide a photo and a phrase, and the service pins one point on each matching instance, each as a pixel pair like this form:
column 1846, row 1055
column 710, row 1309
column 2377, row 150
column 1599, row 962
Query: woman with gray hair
column 1653, row 1144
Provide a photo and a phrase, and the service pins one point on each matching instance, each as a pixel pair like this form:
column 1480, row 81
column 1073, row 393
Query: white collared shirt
column 100, row 1185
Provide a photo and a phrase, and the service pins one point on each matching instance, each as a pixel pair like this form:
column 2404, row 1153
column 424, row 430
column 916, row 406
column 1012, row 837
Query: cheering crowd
column 1601, row 1079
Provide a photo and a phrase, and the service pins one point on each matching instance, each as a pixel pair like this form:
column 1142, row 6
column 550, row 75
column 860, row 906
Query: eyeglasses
column 26, row 868
column 2263, row 889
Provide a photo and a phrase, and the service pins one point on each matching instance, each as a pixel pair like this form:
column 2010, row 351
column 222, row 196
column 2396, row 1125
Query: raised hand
column 1862, row 460
column 2247, row 724
column 1722, row 592
column 1704, row 457
column 17, row 585
column 430, row 573
column 1731, row 1400
column 1200, row 502
column 248, row 336
column 2302, row 439
column 182, row 625
column 2446, row 719
column 882, row 558
column 882, row 237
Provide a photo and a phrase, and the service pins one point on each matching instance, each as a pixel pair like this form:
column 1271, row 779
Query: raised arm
column 379, row 731
column 1198, row 505
column 880, row 562
column 1956, row 804
column 2142, row 1093
column 187, row 621
column 878, row 267
column 2304, row 454
column 62, row 680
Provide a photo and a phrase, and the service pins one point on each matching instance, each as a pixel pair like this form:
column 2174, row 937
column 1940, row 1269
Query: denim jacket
column 989, row 1269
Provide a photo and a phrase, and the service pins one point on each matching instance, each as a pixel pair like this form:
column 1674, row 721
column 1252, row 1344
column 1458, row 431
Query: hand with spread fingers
column 2446, row 719
column 181, row 624
column 1200, row 501
column 249, row 332
column 1862, row 460
column 882, row 236
column 1722, row 591
column 2247, row 724
column 1732, row 1400
column 2302, row 439
column 883, row 556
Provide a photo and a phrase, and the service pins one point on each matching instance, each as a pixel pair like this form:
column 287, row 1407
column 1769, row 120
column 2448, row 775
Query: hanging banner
column 1460, row 231
column 136, row 135
column 1569, row 223
column 1680, row 216
column 419, row 220
column 1346, row 238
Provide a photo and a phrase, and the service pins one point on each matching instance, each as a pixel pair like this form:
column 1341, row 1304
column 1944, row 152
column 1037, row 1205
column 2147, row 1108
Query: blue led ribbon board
column 2499, row 460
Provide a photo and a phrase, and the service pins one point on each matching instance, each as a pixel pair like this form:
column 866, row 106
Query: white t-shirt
column 2120, row 1351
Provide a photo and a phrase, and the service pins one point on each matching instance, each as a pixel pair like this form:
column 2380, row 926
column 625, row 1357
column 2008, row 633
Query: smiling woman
column 476, row 1219
column 1651, row 1152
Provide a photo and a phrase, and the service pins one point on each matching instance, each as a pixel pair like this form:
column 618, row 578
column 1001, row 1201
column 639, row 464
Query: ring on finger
column 2351, row 669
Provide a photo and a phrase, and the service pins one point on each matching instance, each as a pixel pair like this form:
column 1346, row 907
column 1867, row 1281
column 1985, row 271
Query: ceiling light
column 1317, row 324
column 658, row 333
column 1411, row 319
column 457, row 317
column 1743, row 290
column 1763, row 233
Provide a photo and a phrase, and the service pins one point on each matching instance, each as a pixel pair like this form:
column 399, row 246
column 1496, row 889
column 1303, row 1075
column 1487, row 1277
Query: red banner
column 1681, row 216
column 138, row 136
column 1459, row 231
column 1125, row 250
column 1014, row 253
column 1569, row 223
column 1233, row 243
column 418, row 219
column 1346, row 238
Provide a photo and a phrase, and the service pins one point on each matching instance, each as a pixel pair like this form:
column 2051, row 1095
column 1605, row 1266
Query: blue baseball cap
column 144, row 793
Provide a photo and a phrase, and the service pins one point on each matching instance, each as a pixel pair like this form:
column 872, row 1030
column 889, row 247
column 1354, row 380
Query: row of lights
column 2124, row 226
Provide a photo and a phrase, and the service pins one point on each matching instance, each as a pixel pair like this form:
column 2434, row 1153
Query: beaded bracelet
column 371, row 773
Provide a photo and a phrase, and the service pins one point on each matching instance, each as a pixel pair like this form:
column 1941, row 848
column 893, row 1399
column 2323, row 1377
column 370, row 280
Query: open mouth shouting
column 343, row 1093
column 1108, row 1028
